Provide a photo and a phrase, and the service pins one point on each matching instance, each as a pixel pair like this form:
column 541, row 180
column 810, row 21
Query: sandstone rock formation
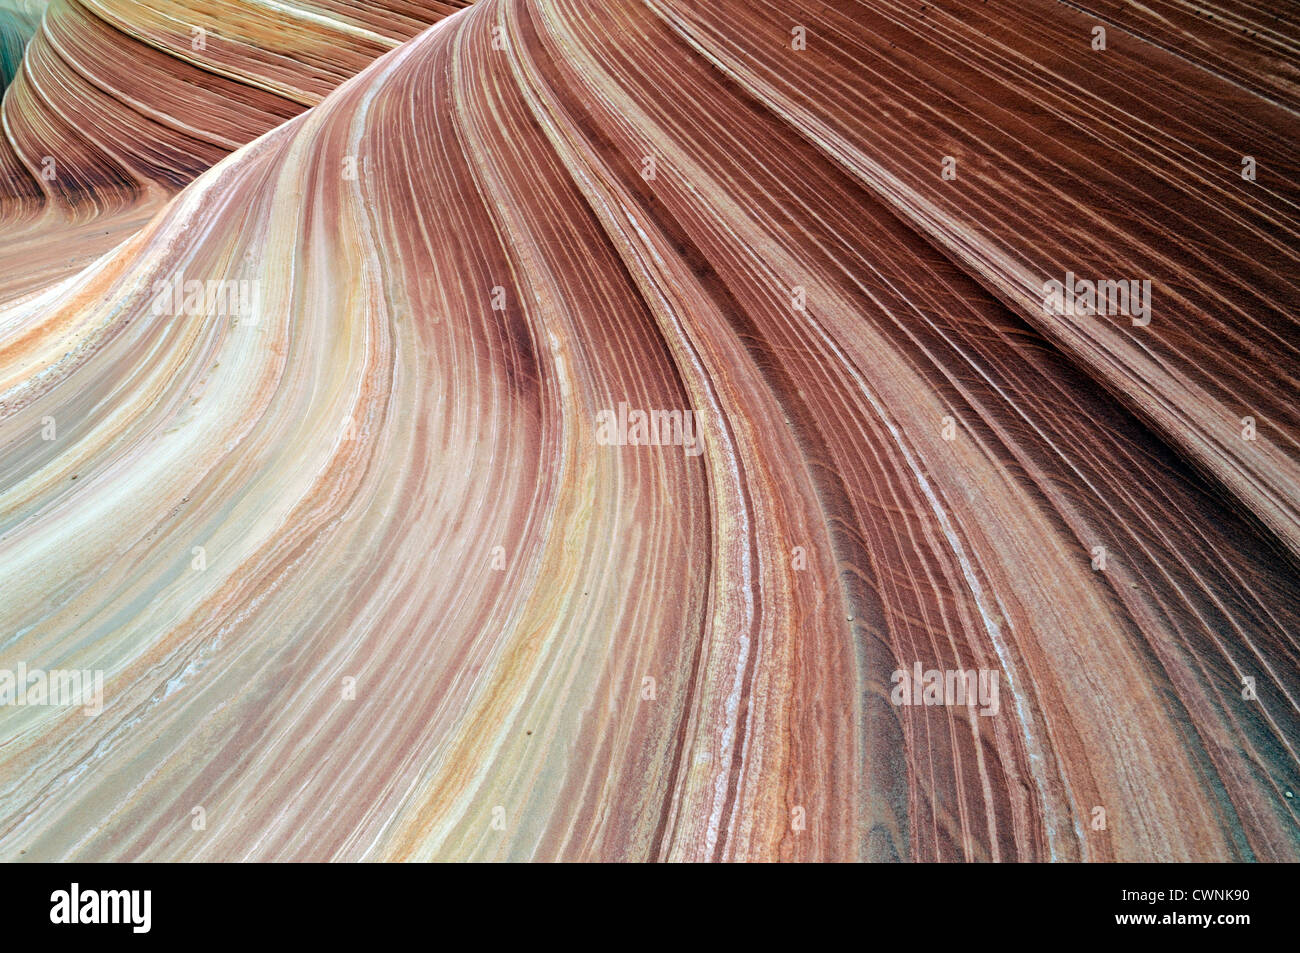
column 336, row 517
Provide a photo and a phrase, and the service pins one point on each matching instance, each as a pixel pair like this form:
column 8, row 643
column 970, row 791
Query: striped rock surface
column 118, row 104
column 380, row 561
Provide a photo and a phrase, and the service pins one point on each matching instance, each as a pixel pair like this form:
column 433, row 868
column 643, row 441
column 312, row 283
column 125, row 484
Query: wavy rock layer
column 121, row 103
column 18, row 22
column 367, row 581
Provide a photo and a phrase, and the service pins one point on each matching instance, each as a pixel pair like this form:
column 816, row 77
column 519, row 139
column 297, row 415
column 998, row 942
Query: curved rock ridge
column 617, row 431
column 120, row 93
column 120, row 103
column 18, row 22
